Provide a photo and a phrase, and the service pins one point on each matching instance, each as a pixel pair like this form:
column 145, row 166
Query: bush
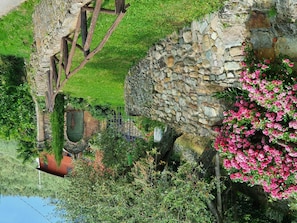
column 151, row 196
column 57, row 123
column 120, row 153
column 258, row 138
column 17, row 112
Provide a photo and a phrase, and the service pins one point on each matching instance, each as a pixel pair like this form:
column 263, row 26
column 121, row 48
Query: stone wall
column 176, row 81
column 53, row 19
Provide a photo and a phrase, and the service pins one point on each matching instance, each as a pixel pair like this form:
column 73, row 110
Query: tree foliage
column 57, row 122
column 17, row 113
column 146, row 195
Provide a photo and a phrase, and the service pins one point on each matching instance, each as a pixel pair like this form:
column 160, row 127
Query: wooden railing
column 61, row 63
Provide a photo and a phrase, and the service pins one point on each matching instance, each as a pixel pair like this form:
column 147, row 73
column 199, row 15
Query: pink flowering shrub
column 258, row 138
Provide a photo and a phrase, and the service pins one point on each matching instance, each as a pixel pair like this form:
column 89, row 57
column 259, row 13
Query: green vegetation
column 146, row 195
column 102, row 80
column 113, row 189
column 17, row 112
column 16, row 31
column 17, row 178
column 57, row 123
column 99, row 112
column 116, row 147
column 146, row 22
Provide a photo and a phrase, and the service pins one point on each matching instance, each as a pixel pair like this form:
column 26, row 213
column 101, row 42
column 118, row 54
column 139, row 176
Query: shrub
column 57, row 123
column 258, row 138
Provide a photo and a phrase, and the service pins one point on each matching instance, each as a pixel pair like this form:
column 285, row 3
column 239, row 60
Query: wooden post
column 120, row 6
column 54, row 70
column 73, row 46
column 49, row 93
column 92, row 25
column 84, row 29
column 66, row 56
column 65, row 52
column 218, row 184
column 98, row 48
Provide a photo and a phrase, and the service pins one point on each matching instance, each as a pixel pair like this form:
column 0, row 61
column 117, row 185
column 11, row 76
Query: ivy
column 17, row 112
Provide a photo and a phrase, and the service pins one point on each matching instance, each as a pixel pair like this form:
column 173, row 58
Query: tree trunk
column 165, row 146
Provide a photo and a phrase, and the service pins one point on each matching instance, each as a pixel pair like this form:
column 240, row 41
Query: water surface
column 17, row 209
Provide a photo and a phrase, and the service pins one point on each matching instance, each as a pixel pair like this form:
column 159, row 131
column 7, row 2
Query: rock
column 236, row 51
column 258, row 20
column 202, row 27
column 232, row 66
column 187, row 36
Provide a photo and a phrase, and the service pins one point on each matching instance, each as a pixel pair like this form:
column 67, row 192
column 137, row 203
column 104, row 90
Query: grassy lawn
column 102, row 80
column 16, row 31
column 22, row 179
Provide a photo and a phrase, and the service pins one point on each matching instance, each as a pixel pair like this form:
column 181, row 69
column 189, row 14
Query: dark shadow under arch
column 75, row 125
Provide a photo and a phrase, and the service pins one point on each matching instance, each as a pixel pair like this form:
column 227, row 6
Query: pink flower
column 293, row 124
column 243, row 64
column 227, row 164
column 235, row 176
column 256, row 137
column 286, row 61
column 293, row 154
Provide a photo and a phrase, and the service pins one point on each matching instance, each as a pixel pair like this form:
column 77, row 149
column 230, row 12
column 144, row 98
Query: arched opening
column 75, row 125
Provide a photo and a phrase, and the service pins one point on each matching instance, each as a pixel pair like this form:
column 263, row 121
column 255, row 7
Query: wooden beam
column 108, row 11
column 93, row 25
column 102, row 10
column 120, row 6
column 77, row 45
column 61, row 65
column 50, row 82
column 65, row 52
column 88, row 8
column 107, row 35
column 73, row 46
column 48, row 102
column 49, row 93
column 53, row 69
column 53, row 93
column 97, row 49
column 84, row 30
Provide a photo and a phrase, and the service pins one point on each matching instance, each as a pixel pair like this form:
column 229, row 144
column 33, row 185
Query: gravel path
column 8, row 5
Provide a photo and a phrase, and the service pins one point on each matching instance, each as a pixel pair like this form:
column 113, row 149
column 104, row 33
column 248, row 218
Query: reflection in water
column 22, row 188
column 18, row 209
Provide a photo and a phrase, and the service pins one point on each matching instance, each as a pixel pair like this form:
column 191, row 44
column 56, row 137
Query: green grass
column 17, row 178
column 16, row 31
column 145, row 23
column 102, row 80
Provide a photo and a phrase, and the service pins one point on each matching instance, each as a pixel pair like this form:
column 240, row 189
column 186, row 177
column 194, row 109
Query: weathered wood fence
column 61, row 63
